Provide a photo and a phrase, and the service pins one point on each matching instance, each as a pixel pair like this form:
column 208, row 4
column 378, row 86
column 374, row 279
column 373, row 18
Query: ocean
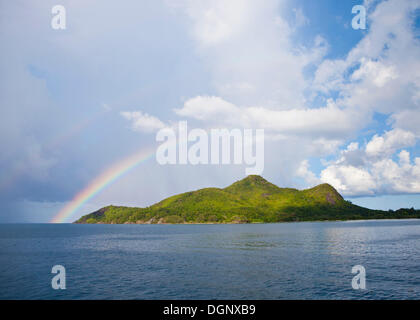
column 305, row 260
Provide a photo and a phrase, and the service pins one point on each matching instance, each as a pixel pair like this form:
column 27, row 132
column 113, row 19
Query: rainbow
column 103, row 180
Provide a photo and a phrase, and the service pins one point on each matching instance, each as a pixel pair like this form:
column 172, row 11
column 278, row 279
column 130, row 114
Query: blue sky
column 338, row 105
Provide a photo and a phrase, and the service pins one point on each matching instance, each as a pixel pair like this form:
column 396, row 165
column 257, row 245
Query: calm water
column 266, row 261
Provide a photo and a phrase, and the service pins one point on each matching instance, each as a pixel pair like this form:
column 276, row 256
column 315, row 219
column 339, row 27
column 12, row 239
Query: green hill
column 249, row 200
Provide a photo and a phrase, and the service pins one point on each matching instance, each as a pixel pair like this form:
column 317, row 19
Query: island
column 250, row 200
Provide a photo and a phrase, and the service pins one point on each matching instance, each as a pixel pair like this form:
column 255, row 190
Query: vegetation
column 251, row 200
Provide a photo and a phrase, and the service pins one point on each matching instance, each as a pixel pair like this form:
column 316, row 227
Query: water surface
column 310, row 260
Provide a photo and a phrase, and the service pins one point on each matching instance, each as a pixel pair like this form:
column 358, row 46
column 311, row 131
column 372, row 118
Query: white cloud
column 209, row 109
column 248, row 48
column 329, row 122
column 304, row 172
column 381, row 73
column 218, row 21
column 375, row 72
column 391, row 141
column 143, row 122
column 371, row 170
column 376, row 76
column 408, row 119
column 300, row 18
column 349, row 180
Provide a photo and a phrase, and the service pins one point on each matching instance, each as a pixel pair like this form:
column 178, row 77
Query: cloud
column 209, row 108
column 349, row 180
column 143, row 122
column 380, row 74
column 390, row 142
column 217, row 21
column 249, row 51
column 329, row 122
column 408, row 119
column 375, row 76
column 304, row 172
column 375, row 72
column 371, row 170
column 300, row 19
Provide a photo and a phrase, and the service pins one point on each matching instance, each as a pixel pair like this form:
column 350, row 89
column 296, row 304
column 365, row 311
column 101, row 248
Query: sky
column 80, row 107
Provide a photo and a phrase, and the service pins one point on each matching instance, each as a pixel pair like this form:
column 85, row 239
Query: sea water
column 306, row 260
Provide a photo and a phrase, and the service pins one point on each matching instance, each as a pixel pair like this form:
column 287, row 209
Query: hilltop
column 250, row 200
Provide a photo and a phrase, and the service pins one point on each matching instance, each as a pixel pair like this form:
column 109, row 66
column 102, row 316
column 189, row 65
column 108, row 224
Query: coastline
column 244, row 223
